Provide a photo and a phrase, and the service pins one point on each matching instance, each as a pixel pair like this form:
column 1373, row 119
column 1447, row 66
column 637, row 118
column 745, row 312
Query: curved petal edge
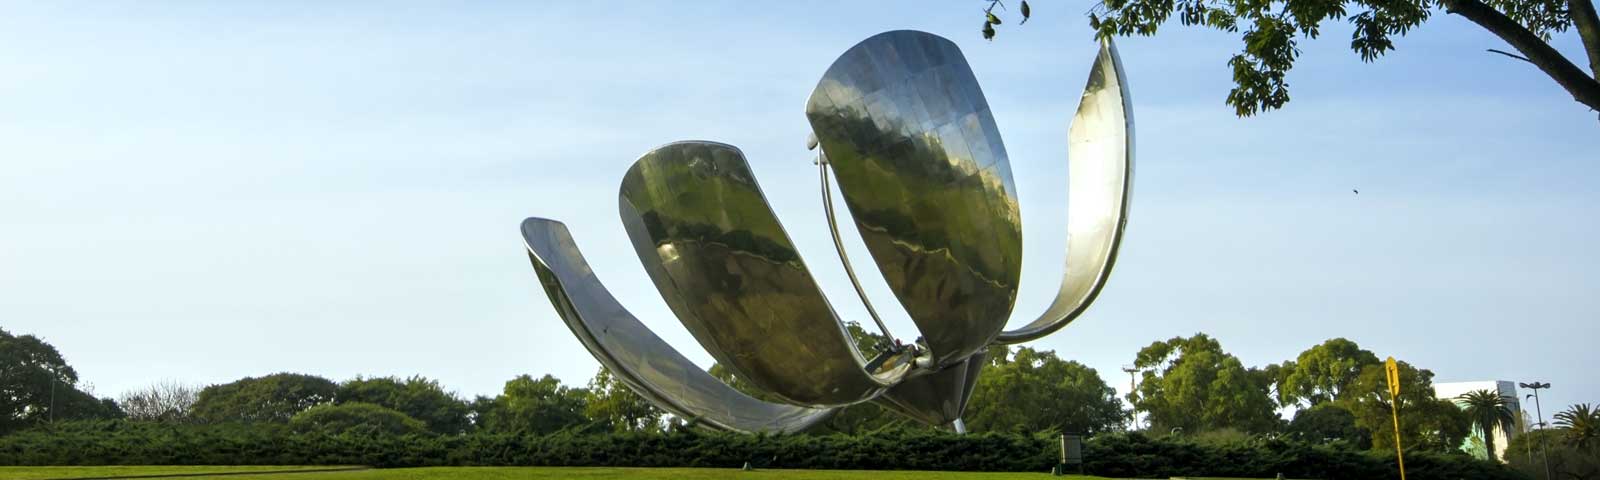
column 915, row 148
column 634, row 353
column 724, row 264
column 1100, row 162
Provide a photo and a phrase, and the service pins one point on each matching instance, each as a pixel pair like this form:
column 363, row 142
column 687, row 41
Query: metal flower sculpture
column 911, row 141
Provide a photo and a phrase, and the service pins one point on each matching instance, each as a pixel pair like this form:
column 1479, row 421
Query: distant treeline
column 1190, row 391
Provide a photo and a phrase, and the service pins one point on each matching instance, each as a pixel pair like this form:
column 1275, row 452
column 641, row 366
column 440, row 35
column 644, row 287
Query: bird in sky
column 1358, row 192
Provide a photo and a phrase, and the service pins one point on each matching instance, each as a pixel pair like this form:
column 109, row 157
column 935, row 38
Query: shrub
column 416, row 397
column 273, row 398
column 357, row 418
column 1112, row 455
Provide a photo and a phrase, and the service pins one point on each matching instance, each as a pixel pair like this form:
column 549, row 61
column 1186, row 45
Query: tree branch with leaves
column 1271, row 31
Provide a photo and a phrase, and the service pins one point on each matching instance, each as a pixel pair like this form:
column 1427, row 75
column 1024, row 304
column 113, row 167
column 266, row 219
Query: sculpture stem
column 833, row 227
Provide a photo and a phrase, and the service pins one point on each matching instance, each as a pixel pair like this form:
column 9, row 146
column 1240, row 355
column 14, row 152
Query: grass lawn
column 497, row 473
column 42, row 473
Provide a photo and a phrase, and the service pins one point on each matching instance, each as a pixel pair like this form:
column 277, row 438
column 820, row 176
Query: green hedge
column 1114, row 455
column 1135, row 456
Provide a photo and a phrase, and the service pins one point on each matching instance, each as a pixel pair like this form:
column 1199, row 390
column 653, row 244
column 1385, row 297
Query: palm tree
column 1489, row 413
column 1582, row 422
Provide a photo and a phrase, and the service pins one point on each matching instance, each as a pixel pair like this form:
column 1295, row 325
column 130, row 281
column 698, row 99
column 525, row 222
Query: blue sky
column 201, row 192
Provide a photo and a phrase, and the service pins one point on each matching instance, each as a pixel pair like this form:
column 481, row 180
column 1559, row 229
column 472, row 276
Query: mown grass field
column 42, row 473
column 493, row 473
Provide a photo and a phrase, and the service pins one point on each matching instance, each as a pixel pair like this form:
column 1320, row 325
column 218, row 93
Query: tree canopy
column 417, row 397
column 1328, row 423
column 533, row 406
column 37, row 385
column 273, row 398
column 1427, row 423
column 1033, row 391
column 1528, row 452
column 1271, row 33
column 1324, row 372
column 1488, row 413
column 611, row 403
column 1582, row 425
column 358, row 418
column 1193, row 385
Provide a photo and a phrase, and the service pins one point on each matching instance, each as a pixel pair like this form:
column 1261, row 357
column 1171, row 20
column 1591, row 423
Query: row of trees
column 36, row 385
column 399, row 405
column 1337, row 389
column 1571, row 451
column 1339, row 393
column 1189, row 386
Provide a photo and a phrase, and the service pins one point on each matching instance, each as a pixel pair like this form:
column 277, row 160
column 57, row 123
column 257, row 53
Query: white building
column 1508, row 390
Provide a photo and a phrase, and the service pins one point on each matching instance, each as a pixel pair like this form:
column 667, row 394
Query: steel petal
column 1100, row 185
column 639, row 358
column 721, row 260
column 937, row 398
column 922, row 169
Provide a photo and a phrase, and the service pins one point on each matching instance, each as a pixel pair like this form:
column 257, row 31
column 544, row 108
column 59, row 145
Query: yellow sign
column 1394, row 377
column 1394, row 409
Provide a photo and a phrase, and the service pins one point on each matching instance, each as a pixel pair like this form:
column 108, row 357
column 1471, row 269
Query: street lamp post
column 1545, row 451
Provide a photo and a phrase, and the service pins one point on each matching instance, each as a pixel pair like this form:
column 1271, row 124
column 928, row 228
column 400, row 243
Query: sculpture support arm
column 838, row 244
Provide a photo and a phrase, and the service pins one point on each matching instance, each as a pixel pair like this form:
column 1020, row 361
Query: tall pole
column 1392, row 371
column 52, row 399
column 838, row 244
column 1400, row 455
column 1543, row 449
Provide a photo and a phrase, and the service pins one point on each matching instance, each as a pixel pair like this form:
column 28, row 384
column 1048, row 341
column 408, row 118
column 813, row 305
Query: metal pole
column 52, row 400
column 838, row 244
column 1545, row 450
column 1400, row 455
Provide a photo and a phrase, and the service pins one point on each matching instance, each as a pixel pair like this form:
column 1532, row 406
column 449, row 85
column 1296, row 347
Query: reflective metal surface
column 838, row 246
column 639, row 358
column 918, row 158
column 938, row 398
column 1100, row 181
column 921, row 167
column 721, row 260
